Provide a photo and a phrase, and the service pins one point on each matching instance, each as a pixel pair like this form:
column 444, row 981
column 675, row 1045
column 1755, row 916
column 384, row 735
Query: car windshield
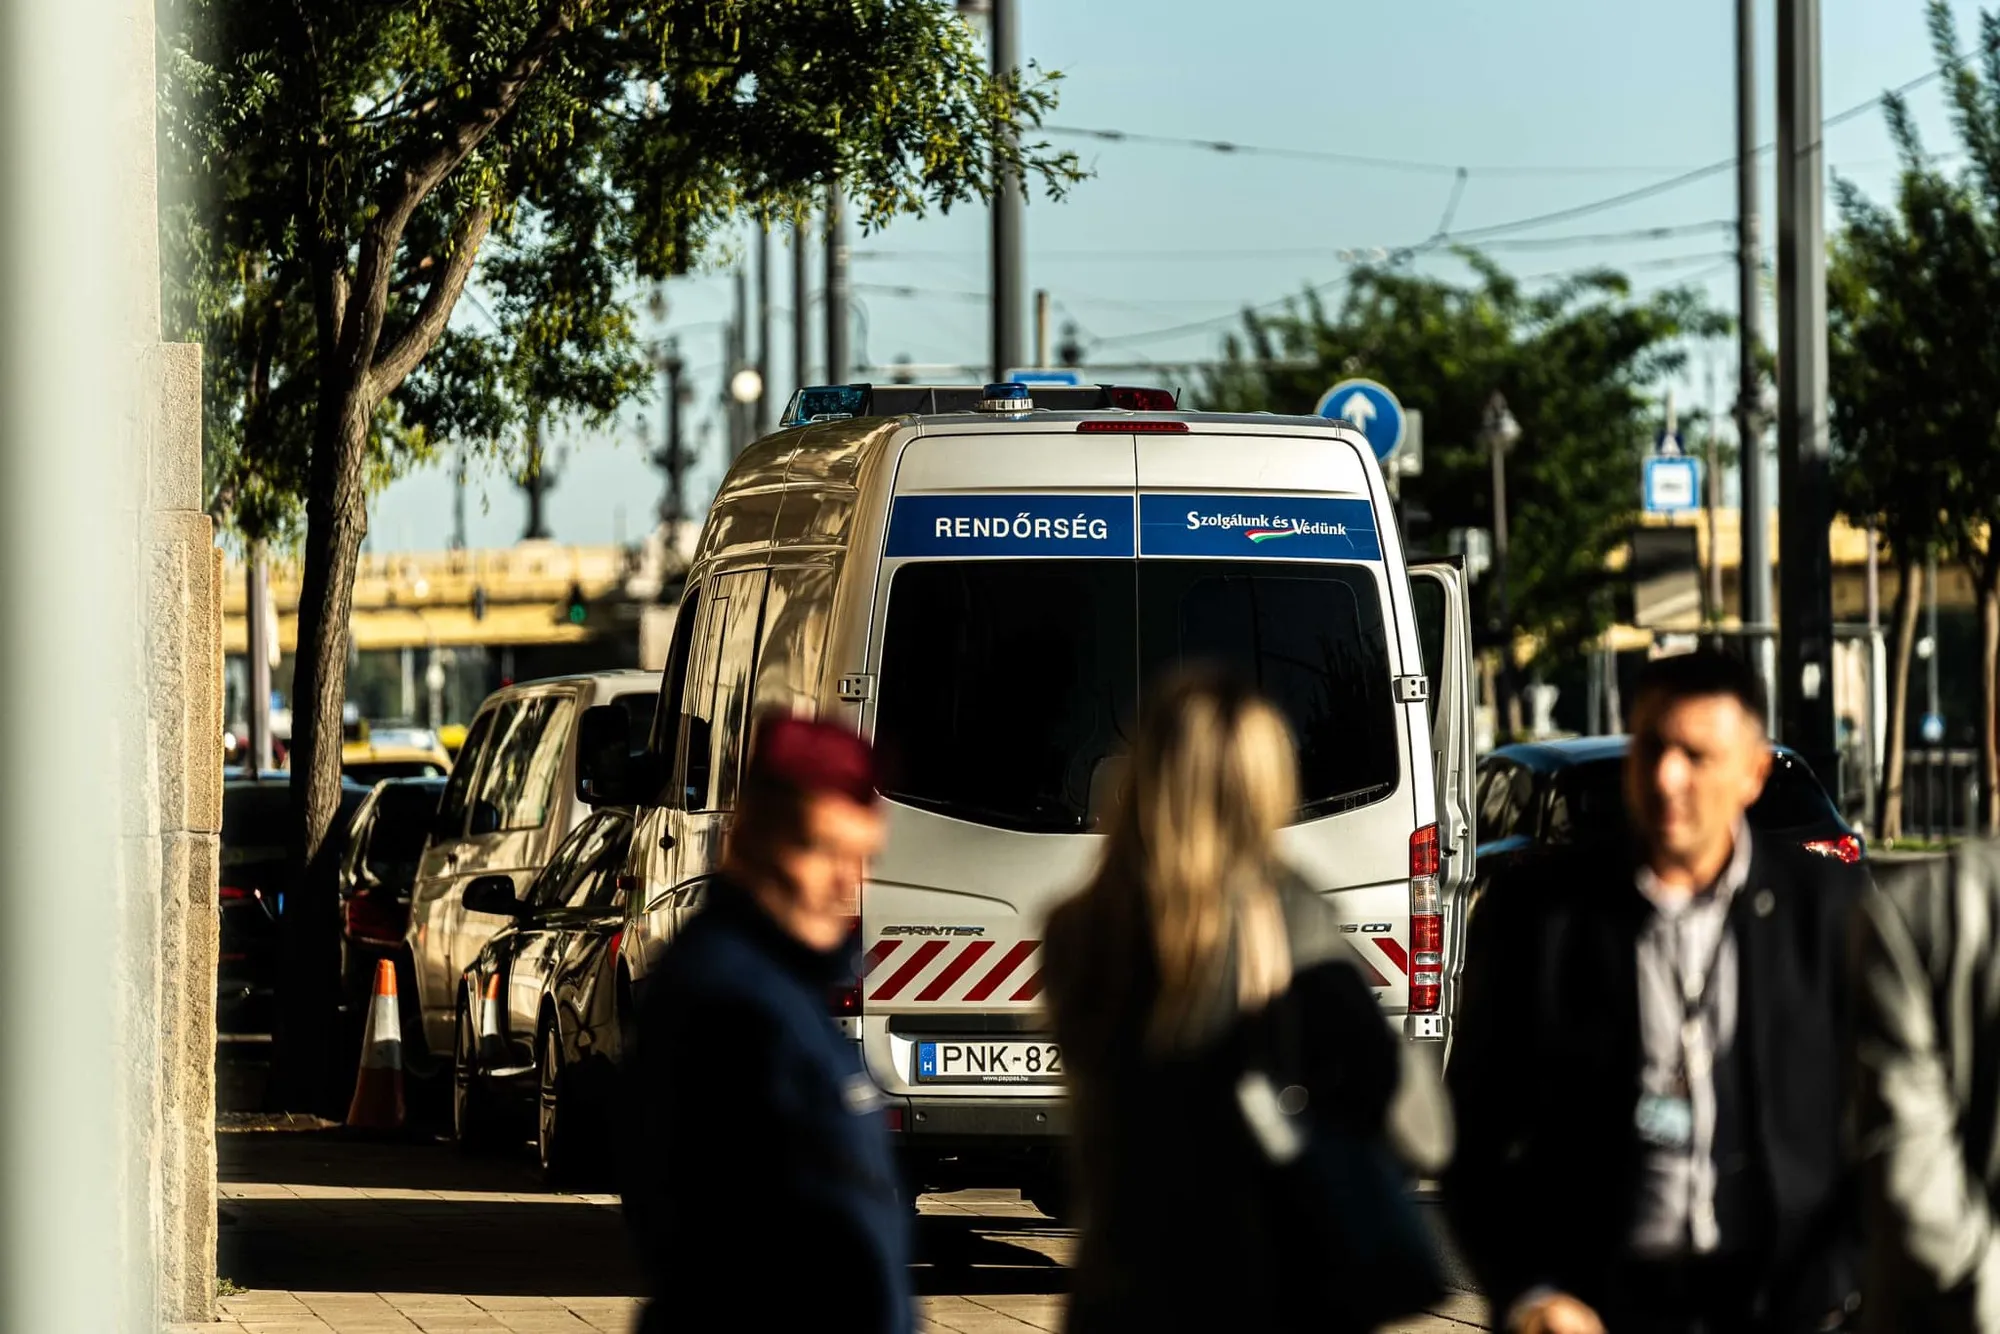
column 1009, row 687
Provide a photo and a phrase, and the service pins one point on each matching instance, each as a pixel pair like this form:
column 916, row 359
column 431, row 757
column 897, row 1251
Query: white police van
column 984, row 584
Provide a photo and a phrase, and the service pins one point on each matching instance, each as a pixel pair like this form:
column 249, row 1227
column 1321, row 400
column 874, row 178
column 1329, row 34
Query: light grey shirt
column 1676, row 1214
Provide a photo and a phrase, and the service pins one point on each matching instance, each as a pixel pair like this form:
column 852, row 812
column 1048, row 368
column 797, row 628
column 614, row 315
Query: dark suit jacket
column 1545, row 1074
column 762, row 1187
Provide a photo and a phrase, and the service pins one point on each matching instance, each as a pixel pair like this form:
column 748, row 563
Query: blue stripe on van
column 1271, row 527
column 989, row 525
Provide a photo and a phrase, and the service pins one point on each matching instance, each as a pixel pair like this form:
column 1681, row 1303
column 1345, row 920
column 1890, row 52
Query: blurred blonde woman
column 1164, row 974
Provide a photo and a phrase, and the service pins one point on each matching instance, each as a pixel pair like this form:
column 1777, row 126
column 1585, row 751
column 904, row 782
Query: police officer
column 763, row 1189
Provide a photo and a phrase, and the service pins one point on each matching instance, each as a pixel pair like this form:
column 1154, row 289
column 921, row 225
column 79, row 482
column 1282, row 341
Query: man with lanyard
column 1647, row 1072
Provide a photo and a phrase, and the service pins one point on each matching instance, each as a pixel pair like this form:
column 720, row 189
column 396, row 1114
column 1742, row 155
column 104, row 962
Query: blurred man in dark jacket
column 1648, row 1068
column 764, row 1191
column 1927, row 1105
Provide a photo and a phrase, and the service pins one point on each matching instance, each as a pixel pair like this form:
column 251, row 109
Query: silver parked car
column 510, row 800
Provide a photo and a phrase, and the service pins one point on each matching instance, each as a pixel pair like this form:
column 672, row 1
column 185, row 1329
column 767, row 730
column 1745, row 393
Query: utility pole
column 836, row 287
column 671, row 458
column 1041, row 328
column 801, row 300
column 257, row 595
column 537, row 483
column 1007, row 206
column 1713, row 494
column 1499, row 432
column 1805, row 648
column 740, row 431
column 761, row 410
column 1753, row 561
column 458, row 503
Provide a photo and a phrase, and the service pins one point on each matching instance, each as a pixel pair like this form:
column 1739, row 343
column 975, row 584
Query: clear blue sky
column 1634, row 92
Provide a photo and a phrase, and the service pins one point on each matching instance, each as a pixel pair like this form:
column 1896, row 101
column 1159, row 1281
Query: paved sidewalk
column 327, row 1235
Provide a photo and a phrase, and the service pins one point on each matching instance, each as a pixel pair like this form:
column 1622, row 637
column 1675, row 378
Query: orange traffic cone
column 492, row 1047
column 378, row 1087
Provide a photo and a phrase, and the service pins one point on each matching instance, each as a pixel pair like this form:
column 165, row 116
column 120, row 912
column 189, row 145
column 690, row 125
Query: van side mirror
column 492, row 894
column 485, row 818
column 604, row 757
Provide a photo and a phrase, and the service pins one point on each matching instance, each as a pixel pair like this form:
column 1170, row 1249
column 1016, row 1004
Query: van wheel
column 474, row 1120
column 1052, row 1195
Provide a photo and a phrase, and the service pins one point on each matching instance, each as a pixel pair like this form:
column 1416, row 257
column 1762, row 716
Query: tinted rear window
column 1006, row 685
column 1792, row 798
column 403, row 816
column 1590, row 800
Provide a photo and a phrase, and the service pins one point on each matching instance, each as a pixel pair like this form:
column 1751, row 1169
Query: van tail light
column 1125, row 426
column 1426, row 923
column 1134, row 399
column 844, row 1001
column 232, row 893
column 1846, row 848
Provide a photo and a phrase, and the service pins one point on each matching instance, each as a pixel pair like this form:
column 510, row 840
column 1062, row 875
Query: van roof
column 610, row 676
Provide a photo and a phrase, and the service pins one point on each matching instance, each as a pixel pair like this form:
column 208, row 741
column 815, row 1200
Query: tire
column 1052, row 1195
column 555, row 1111
column 474, row 1119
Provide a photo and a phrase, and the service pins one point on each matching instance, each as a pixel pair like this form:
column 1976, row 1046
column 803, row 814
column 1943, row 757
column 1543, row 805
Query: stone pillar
column 183, row 686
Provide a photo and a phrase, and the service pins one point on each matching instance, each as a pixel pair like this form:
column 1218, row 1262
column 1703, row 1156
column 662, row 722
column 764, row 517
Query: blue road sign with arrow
column 1371, row 407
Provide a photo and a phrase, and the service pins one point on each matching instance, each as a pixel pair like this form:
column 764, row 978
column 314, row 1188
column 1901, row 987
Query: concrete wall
column 110, row 685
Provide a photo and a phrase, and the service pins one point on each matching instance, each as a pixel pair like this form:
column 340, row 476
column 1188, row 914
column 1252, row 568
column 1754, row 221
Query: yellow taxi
column 402, row 752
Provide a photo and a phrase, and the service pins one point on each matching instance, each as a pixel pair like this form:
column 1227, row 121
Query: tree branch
column 368, row 297
column 415, row 341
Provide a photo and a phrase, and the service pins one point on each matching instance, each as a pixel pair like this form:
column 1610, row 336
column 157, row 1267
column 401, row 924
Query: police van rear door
column 1005, row 670
column 1269, row 551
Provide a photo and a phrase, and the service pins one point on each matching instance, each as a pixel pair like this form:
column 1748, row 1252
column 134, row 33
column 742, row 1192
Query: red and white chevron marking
column 952, row 972
column 982, row 971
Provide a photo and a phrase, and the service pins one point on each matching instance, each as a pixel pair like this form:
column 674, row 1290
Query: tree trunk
column 1989, row 698
column 1908, row 604
column 309, row 984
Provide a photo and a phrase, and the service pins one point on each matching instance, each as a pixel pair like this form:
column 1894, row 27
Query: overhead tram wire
column 1347, row 254
column 1687, row 177
column 1481, row 235
column 1234, row 149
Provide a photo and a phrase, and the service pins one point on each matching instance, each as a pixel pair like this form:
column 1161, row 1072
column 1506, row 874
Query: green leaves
column 1914, row 356
column 614, row 143
column 1577, row 362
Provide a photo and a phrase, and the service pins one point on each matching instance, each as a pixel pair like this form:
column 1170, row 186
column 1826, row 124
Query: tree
column 352, row 168
column 1577, row 362
column 1891, row 465
column 1915, row 364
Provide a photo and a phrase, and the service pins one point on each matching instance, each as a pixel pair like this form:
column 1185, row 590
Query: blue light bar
column 1010, row 397
column 826, row 403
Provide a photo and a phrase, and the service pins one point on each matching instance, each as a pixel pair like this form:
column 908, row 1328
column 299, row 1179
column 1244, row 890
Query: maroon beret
column 811, row 756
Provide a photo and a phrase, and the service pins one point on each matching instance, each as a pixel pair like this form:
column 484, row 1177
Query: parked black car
column 385, row 840
column 254, row 878
column 540, row 1016
column 1542, row 794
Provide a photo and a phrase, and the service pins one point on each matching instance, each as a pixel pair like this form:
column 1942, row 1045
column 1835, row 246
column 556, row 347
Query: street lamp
column 1499, row 432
